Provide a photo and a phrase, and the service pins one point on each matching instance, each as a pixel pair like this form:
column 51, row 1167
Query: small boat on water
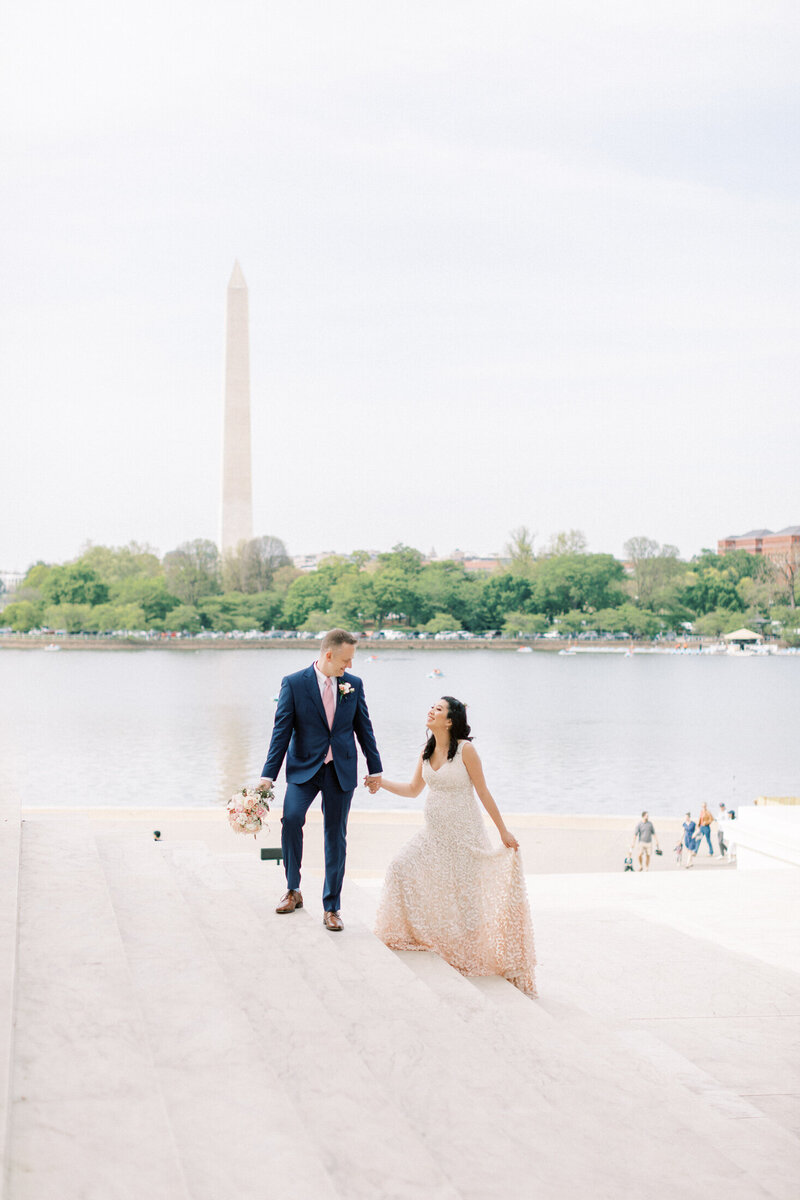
column 435, row 674
column 53, row 646
column 524, row 649
column 371, row 658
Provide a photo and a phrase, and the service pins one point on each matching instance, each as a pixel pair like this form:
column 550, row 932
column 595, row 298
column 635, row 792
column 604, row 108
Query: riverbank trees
column 564, row 588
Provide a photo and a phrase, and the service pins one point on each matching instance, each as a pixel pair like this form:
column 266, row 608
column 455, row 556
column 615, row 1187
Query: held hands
column 509, row 840
column 373, row 782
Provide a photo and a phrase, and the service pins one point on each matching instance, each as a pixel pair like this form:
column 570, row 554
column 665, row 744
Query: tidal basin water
column 600, row 734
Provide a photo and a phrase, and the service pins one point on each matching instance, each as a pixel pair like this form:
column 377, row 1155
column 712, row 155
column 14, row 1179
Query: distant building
column 485, row 564
column 310, row 562
column 764, row 542
column 11, row 579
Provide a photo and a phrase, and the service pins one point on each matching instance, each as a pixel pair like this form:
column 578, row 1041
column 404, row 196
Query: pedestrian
column 722, row 815
column 689, row 840
column 704, row 823
column 645, row 834
column 725, row 834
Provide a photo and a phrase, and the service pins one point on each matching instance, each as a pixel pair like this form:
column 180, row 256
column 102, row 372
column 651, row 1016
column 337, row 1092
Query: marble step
column 367, row 1145
column 761, row 1149
column 496, row 1124
column 10, row 835
column 88, row 1120
column 581, row 1057
column 237, row 1133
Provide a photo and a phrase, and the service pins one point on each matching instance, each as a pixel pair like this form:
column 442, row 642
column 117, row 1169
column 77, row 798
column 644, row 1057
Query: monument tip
column 237, row 278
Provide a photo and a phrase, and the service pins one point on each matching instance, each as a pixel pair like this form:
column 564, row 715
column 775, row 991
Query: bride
column 448, row 890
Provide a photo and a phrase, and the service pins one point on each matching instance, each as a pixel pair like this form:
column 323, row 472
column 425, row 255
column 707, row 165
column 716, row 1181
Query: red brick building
column 764, row 541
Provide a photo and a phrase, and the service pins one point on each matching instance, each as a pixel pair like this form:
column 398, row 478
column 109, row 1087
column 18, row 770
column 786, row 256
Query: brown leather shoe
column 290, row 902
column 332, row 921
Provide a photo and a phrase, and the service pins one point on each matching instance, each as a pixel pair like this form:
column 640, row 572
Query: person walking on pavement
column 704, row 823
column 646, row 834
column 321, row 712
column 689, row 840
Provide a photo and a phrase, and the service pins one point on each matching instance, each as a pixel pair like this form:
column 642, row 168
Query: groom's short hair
column 337, row 637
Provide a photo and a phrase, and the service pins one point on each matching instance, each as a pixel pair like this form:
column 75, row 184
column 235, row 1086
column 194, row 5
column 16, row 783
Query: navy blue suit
column 301, row 735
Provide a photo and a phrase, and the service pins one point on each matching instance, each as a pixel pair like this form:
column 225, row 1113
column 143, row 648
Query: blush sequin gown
column 448, row 891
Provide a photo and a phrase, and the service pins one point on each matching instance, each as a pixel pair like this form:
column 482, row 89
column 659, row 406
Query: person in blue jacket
column 689, row 840
column 321, row 712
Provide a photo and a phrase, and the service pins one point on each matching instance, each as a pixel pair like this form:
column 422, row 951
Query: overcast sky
column 508, row 263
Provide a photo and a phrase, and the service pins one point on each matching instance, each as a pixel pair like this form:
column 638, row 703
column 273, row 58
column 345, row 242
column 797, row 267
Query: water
column 586, row 734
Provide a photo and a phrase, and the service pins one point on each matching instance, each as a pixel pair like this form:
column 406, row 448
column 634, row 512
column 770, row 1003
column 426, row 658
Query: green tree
column 653, row 566
column 786, row 568
column 310, row 592
column 106, row 618
column 506, row 592
column 36, row 575
column 252, row 565
column 717, row 622
column 568, row 541
column 74, row 618
column 352, row 600
column 21, row 615
column 394, row 590
column 573, row 621
column 442, row 623
column 183, row 619
column 192, row 571
column 283, row 579
column 316, row 622
column 520, row 550
column 113, row 563
column 573, row 581
column 713, row 580
column 517, row 623
column 149, row 594
column 626, row 618
column 74, row 583
column 403, row 558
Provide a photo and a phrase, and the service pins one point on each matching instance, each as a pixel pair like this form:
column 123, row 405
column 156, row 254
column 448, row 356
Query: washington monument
column 237, row 488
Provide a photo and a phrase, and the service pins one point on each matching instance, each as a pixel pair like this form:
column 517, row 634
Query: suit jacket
column 301, row 733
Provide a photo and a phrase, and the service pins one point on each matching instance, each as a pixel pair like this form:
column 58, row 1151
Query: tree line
column 563, row 587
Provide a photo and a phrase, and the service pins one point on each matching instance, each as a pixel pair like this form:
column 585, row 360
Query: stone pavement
column 174, row 1038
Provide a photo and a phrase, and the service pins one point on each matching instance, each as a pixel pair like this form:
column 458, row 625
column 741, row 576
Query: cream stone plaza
column 164, row 1035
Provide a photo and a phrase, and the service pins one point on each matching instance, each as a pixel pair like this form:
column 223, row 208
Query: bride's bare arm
column 475, row 770
column 404, row 789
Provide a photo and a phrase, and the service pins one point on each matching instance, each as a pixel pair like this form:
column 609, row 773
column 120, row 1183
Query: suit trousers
column 335, row 811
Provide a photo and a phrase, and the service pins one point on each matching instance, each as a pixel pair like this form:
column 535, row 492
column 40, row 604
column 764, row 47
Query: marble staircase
column 174, row 1038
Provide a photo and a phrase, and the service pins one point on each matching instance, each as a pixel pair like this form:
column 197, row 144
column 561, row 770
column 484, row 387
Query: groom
column 320, row 713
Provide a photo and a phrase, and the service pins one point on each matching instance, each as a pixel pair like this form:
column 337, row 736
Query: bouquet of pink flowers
column 248, row 808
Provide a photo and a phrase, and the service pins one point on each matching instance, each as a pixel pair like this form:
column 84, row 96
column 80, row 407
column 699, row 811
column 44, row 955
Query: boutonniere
column 345, row 689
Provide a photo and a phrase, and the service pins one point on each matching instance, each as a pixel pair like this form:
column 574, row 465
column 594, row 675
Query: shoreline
column 184, row 644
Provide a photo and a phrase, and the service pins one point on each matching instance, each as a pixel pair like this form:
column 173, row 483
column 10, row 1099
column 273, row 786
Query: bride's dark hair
column 459, row 729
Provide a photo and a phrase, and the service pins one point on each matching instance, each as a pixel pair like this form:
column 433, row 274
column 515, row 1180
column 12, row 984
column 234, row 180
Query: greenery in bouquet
column 248, row 808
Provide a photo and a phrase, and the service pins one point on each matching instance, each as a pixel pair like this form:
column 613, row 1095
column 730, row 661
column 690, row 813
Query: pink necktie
column 329, row 704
